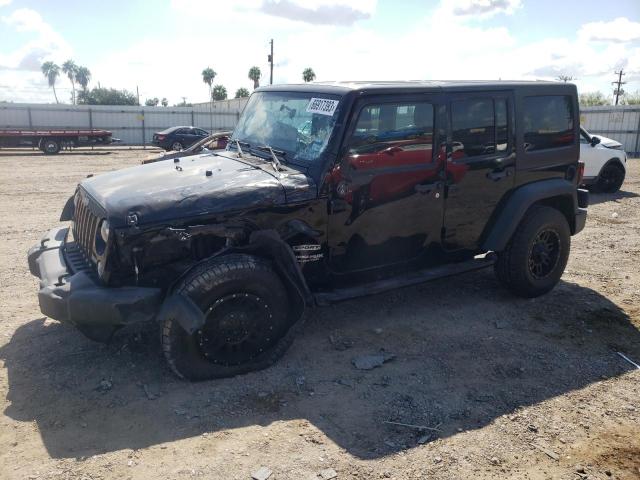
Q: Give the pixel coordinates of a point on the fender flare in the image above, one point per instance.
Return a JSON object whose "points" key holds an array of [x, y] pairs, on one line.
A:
{"points": [[263, 243], [516, 205]]}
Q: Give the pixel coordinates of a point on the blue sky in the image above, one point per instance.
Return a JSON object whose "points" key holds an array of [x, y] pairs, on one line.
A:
{"points": [[162, 47]]}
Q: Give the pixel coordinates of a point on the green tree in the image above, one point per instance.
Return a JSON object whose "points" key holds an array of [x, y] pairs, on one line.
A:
{"points": [[83, 76], [255, 74], [207, 77], [51, 71], [164, 102], [107, 96], [308, 75], [219, 92], [631, 98], [565, 78], [242, 92], [152, 102], [71, 69], [591, 99]]}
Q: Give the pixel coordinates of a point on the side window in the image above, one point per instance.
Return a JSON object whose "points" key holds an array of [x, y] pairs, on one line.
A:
{"points": [[474, 127], [182, 131], [548, 122], [201, 132], [392, 134]]}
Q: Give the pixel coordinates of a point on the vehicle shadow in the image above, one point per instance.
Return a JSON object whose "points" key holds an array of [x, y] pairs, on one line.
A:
{"points": [[596, 198], [466, 352]]}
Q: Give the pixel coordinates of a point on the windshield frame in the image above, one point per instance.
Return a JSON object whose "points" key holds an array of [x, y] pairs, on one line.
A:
{"points": [[330, 146]]}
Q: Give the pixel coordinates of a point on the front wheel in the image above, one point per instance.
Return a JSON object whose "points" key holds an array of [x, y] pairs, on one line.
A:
{"points": [[247, 324], [50, 147], [610, 179], [537, 254]]}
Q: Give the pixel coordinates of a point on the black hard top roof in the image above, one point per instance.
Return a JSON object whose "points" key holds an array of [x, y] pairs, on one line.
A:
{"points": [[343, 87]]}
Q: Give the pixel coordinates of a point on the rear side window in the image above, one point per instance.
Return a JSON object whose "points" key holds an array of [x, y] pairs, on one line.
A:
{"points": [[548, 122], [393, 134], [480, 127]]}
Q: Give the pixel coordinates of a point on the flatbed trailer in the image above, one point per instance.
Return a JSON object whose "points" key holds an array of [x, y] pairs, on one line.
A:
{"points": [[53, 140]]}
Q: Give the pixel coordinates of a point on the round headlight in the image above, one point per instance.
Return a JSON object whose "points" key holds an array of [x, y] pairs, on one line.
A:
{"points": [[104, 230]]}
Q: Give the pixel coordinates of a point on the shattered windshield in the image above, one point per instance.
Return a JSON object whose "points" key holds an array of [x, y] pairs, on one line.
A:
{"points": [[298, 124]]}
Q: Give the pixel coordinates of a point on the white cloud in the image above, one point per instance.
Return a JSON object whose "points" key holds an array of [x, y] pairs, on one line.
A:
{"points": [[620, 30], [20, 76], [480, 8], [162, 67], [4, 3], [319, 13]]}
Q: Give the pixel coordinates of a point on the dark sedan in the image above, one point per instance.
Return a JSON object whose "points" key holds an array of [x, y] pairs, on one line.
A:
{"points": [[178, 138]]}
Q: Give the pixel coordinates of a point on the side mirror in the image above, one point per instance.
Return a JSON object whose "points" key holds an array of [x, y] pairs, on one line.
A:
{"points": [[595, 141]]}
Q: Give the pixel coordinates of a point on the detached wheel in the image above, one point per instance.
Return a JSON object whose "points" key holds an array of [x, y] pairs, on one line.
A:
{"points": [[50, 147], [176, 146], [246, 320], [537, 254], [610, 179]]}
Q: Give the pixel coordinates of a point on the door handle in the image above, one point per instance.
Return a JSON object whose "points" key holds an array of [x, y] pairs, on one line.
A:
{"points": [[498, 174], [428, 188], [338, 205]]}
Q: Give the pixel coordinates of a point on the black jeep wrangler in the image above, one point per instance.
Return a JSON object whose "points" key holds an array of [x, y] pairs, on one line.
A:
{"points": [[324, 192]]}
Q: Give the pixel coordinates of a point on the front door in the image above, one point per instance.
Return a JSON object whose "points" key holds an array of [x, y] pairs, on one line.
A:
{"points": [[386, 194], [480, 165]]}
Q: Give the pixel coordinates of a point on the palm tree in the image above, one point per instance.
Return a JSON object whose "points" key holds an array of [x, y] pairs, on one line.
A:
{"points": [[242, 92], [207, 77], [70, 68], [51, 71], [83, 76], [219, 92], [308, 75], [254, 74], [208, 74], [164, 102]]}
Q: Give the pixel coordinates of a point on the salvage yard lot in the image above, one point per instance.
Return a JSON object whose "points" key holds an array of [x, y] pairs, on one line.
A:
{"points": [[510, 388]]}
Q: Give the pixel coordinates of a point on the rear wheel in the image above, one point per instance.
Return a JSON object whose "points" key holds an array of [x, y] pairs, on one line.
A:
{"points": [[246, 320], [50, 147], [610, 179], [537, 254], [176, 146]]}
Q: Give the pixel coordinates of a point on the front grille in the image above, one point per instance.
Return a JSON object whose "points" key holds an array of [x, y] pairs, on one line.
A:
{"points": [[85, 226]]}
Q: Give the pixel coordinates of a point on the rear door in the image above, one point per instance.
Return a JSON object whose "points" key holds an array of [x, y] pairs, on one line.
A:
{"points": [[480, 166], [387, 189]]}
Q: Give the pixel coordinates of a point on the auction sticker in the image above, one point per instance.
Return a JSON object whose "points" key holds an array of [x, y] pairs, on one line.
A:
{"points": [[323, 106]]}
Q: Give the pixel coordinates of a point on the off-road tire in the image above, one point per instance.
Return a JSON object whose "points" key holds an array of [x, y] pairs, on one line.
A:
{"points": [[513, 265], [50, 147], [610, 179], [220, 278]]}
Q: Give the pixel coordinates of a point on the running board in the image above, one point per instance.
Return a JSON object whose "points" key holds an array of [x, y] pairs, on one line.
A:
{"points": [[412, 278]]}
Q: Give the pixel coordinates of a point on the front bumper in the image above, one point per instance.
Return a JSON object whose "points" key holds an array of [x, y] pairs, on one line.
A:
{"points": [[75, 296]]}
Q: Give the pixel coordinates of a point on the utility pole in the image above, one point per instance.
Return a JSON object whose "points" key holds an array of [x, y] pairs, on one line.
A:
{"points": [[618, 90], [270, 58], [138, 94]]}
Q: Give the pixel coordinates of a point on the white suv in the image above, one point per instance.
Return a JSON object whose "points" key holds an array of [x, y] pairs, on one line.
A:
{"points": [[605, 162]]}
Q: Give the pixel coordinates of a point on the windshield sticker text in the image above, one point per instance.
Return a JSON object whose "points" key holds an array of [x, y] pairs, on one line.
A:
{"points": [[323, 106]]}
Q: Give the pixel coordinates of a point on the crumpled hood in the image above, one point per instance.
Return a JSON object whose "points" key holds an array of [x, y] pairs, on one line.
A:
{"points": [[165, 190]]}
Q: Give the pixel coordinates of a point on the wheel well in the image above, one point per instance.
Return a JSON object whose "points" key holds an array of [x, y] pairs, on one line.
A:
{"points": [[564, 204], [612, 161]]}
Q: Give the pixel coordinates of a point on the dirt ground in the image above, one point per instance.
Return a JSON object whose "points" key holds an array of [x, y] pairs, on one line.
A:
{"points": [[510, 388]]}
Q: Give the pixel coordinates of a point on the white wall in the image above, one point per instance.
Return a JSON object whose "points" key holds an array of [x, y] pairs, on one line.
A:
{"points": [[126, 122]]}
